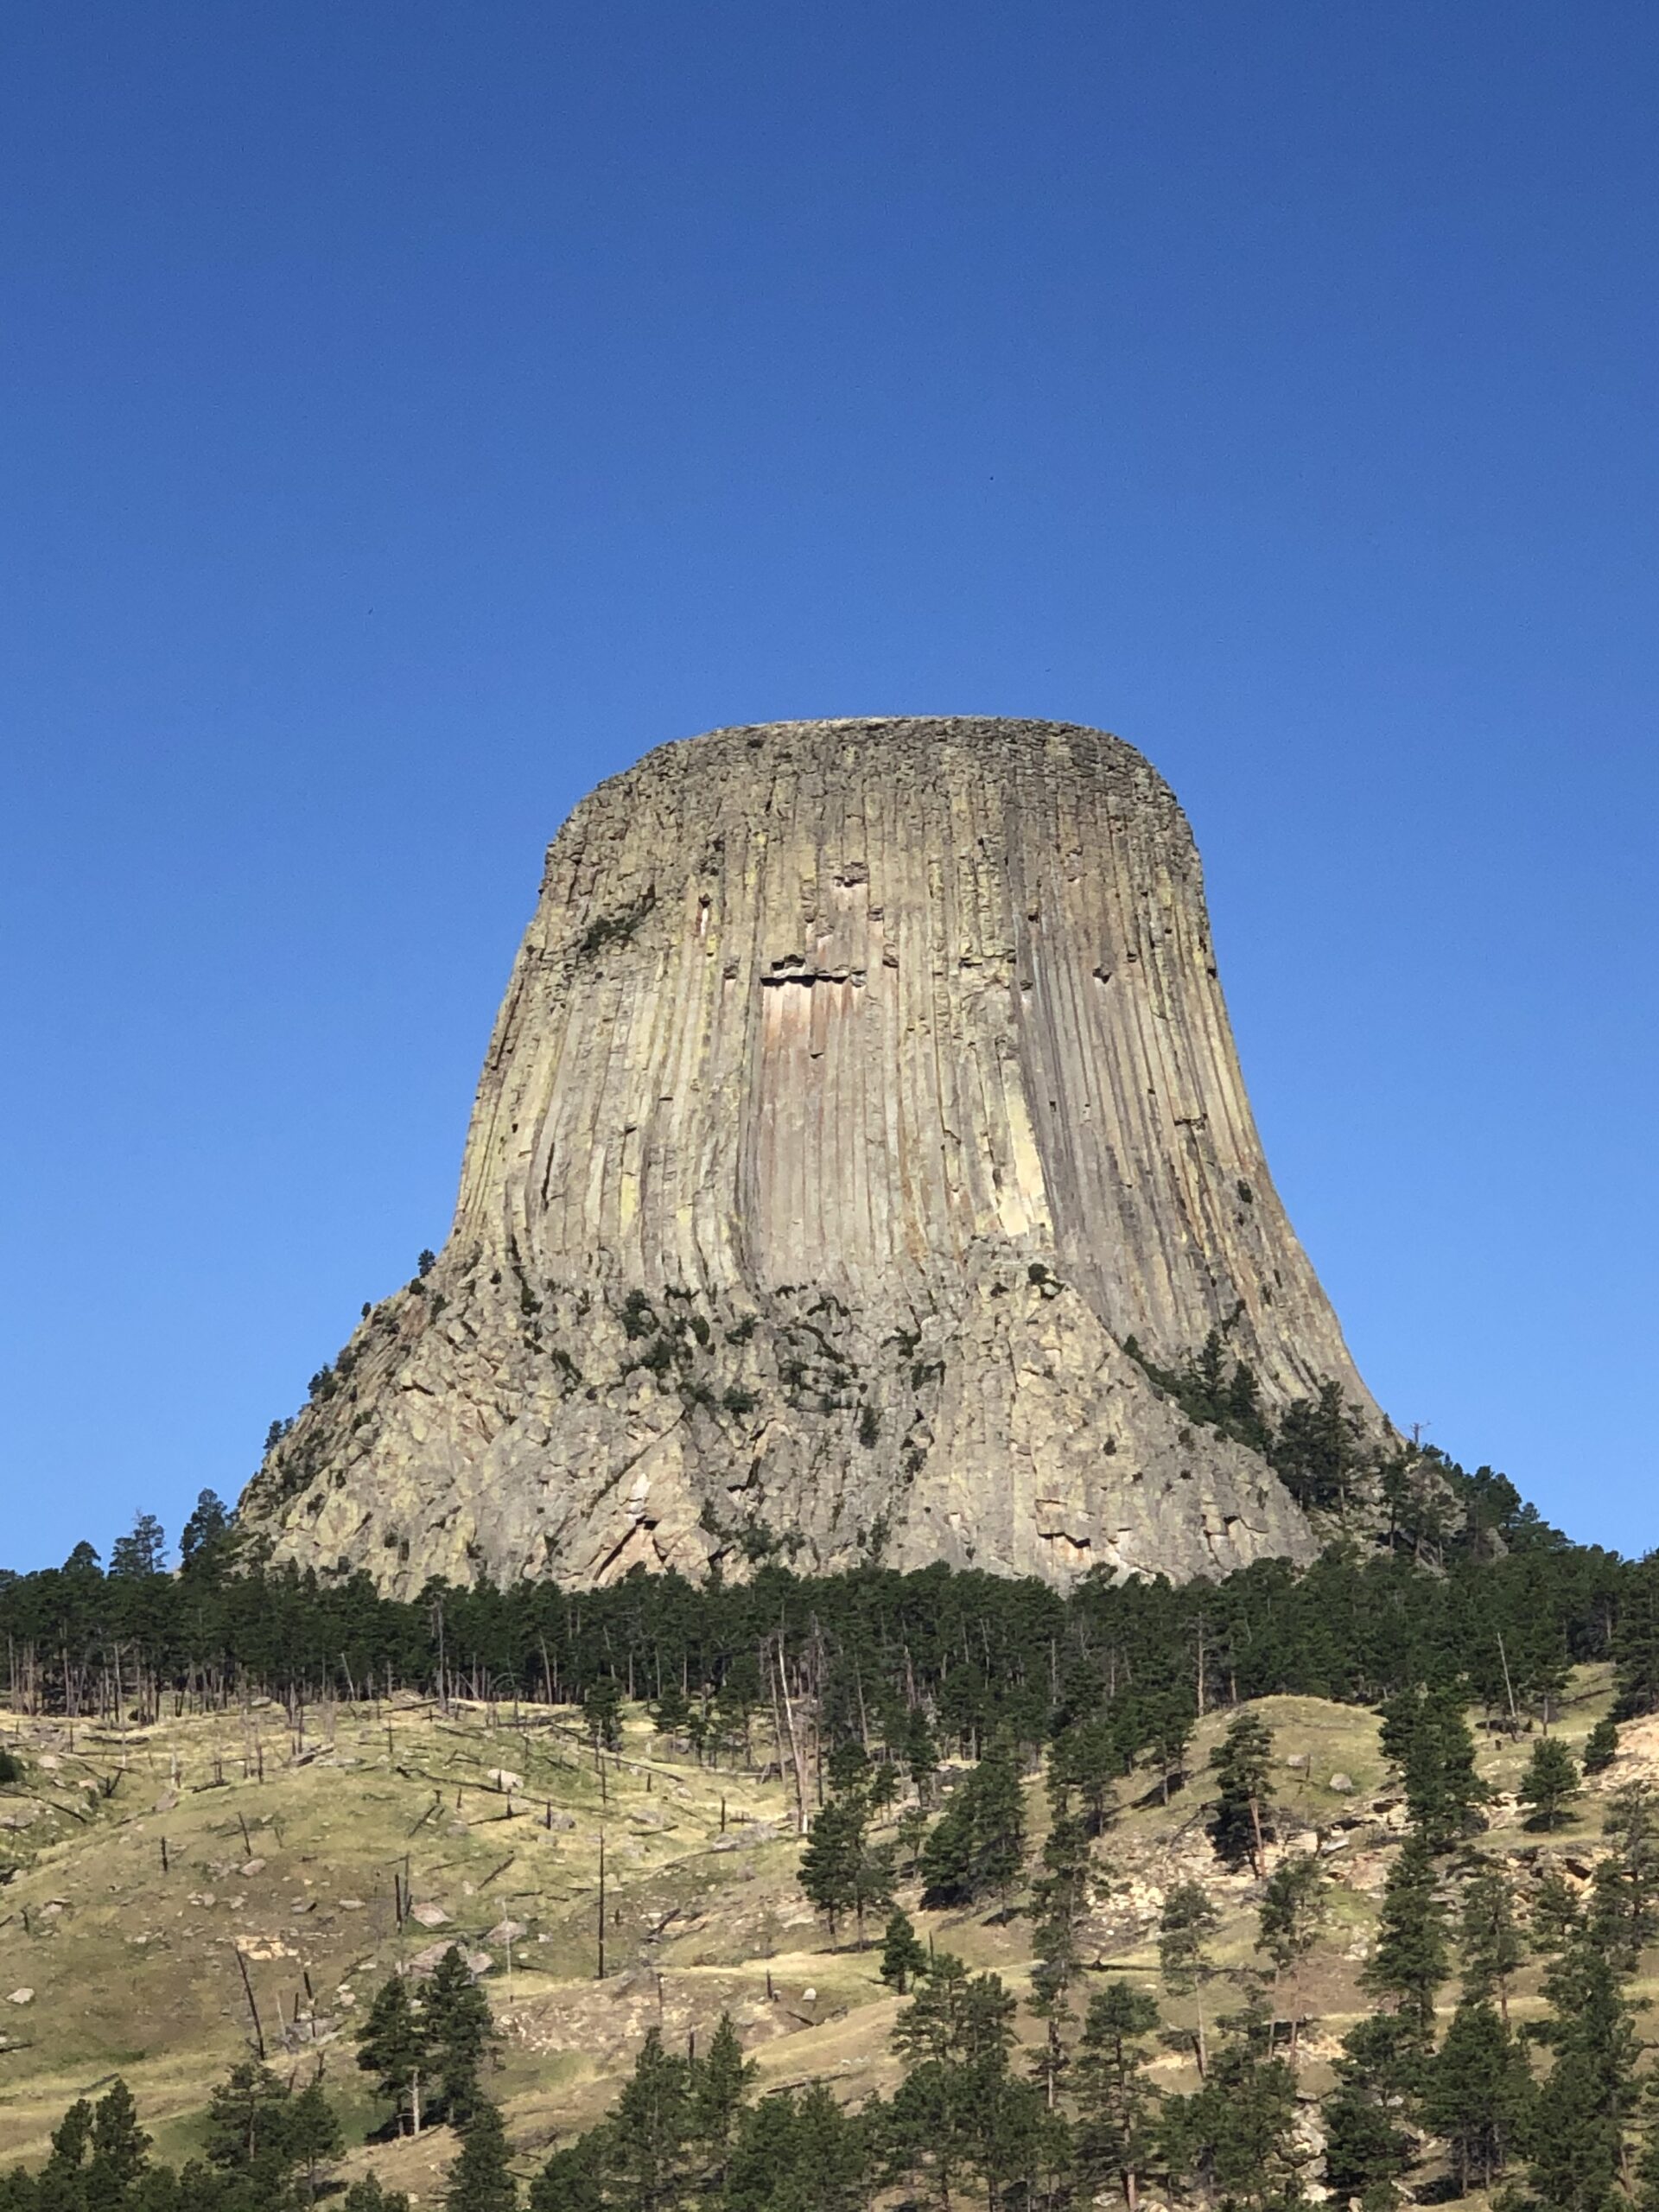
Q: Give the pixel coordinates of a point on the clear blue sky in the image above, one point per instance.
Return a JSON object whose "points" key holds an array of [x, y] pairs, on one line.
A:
{"points": [[410, 413]]}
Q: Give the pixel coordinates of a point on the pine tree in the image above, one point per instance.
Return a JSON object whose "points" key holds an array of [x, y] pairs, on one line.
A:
{"points": [[1576, 2136], [1550, 1782], [902, 1956], [1477, 2093], [1117, 2104], [1239, 2136], [648, 2129], [832, 1857], [1367, 2112], [1409, 1959], [367, 2196], [1555, 1917], [1625, 1898], [480, 2179], [1290, 1917], [458, 2033], [314, 2135], [998, 1817], [921, 1754], [1601, 1745], [1489, 1939], [392, 2047], [1426, 1737], [1059, 1900], [248, 2126], [1189, 1919], [1243, 1821], [119, 2150], [720, 2081]]}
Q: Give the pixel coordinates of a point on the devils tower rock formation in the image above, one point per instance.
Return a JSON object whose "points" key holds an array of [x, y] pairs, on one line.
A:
{"points": [[861, 1089]]}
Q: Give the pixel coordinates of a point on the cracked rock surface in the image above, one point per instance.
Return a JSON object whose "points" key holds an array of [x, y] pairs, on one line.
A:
{"points": [[860, 1089]]}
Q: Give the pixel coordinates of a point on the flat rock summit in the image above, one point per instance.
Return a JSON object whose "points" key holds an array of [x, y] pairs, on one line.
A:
{"points": [[862, 1089]]}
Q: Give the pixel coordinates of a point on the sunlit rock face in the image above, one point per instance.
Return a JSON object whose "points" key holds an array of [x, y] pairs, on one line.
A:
{"points": [[861, 1089]]}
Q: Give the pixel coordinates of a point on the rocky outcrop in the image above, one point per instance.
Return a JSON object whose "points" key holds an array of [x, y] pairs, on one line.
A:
{"points": [[861, 1090]]}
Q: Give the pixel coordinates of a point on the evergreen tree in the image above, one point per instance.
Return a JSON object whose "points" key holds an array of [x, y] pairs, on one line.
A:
{"points": [[1369, 2111], [119, 2150], [1409, 1959], [794, 2153], [367, 2196], [921, 1754], [1060, 1901], [142, 1552], [314, 2135], [720, 2081], [1477, 2093], [1489, 1938], [947, 1856], [1290, 1917], [648, 2129], [480, 2179], [1555, 1917], [391, 2046], [248, 2126], [1186, 1925], [1243, 1821], [1117, 2104], [574, 2180], [458, 2033], [1426, 1737], [1087, 1758], [1625, 1898], [1237, 2138], [998, 1817], [1601, 1745], [1576, 2135], [831, 1858], [1550, 1782], [902, 1954]]}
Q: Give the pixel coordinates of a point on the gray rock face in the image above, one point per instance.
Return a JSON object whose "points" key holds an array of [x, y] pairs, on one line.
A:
{"points": [[860, 1088]]}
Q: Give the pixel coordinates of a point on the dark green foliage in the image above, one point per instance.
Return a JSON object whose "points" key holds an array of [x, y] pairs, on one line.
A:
{"points": [[1477, 2093], [1186, 1925], [1242, 1821], [1550, 1782], [1367, 2115], [1291, 1914], [1117, 2103], [1410, 1960], [1575, 2138], [1237, 2139], [480, 2180], [1489, 1939], [1601, 1745], [11, 1768], [391, 2046], [1427, 1740], [426, 2052], [840, 1870], [977, 1848], [458, 2033], [1556, 1915], [142, 1552], [903, 1956], [1624, 1900], [797, 2151]]}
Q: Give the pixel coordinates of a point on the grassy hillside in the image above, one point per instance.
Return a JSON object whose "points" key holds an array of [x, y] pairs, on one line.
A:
{"points": [[144, 1863]]}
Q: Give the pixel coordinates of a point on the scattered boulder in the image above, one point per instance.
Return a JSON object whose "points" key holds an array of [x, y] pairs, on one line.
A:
{"points": [[21, 1997], [1342, 1783], [430, 1916]]}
